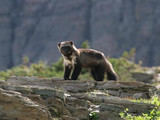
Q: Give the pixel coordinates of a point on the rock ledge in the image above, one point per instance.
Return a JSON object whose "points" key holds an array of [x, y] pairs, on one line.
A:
{"points": [[33, 98]]}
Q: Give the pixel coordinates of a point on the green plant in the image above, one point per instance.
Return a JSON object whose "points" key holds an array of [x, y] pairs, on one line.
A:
{"points": [[40, 69], [25, 60], [129, 55], [93, 116], [153, 114], [85, 44]]}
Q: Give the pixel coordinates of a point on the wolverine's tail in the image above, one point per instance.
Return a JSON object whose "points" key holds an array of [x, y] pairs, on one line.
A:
{"points": [[111, 74]]}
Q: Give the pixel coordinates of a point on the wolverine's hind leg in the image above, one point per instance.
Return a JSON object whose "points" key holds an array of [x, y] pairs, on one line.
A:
{"points": [[98, 73]]}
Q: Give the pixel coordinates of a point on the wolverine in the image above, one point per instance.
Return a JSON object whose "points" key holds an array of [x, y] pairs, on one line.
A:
{"points": [[75, 59]]}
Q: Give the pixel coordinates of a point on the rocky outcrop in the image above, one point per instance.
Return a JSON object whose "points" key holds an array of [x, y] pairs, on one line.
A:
{"points": [[33, 98], [33, 28], [143, 77], [14, 106], [119, 89], [146, 74]]}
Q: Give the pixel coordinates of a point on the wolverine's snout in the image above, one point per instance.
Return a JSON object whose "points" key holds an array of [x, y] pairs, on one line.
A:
{"points": [[66, 50]]}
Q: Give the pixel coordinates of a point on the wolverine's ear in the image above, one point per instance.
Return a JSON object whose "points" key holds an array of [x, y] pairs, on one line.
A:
{"points": [[71, 42], [59, 44]]}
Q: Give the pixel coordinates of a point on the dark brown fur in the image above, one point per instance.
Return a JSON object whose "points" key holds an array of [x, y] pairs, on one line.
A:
{"points": [[77, 58]]}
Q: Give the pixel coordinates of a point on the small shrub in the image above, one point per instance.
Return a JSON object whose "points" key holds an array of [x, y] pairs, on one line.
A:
{"points": [[130, 55], [40, 69], [123, 68], [85, 44]]}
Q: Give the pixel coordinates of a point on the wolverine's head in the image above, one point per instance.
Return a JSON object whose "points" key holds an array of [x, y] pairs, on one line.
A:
{"points": [[66, 47]]}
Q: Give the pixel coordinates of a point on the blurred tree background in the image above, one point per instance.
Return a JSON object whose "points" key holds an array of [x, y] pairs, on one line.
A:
{"points": [[127, 32], [33, 28]]}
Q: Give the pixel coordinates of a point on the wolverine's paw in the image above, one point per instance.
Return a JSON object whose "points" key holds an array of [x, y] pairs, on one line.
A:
{"points": [[67, 79]]}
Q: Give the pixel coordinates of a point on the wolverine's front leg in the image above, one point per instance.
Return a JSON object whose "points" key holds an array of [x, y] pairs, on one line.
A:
{"points": [[76, 71], [67, 71]]}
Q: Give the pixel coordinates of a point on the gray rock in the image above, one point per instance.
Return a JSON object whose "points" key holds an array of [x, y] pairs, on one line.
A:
{"points": [[116, 101], [64, 85], [140, 96], [23, 89], [48, 92], [69, 118], [73, 101], [158, 93], [15, 106], [45, 99], [125, 89], [107, 115], [143, 77], [79, 112], [111, 107], [120, 89]]}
